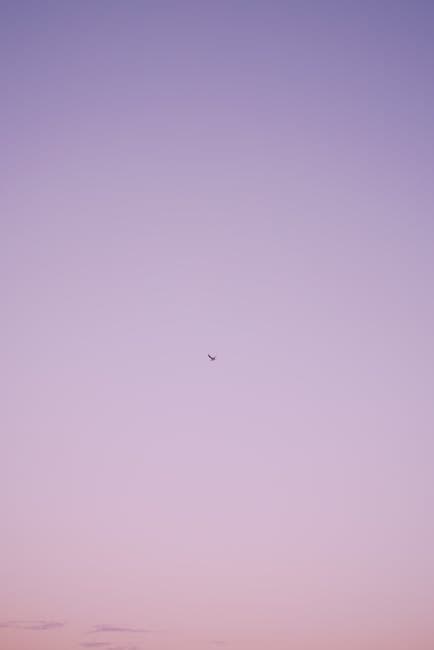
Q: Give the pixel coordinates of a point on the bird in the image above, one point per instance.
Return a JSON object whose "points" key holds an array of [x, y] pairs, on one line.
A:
{"points": [[211, 358]]}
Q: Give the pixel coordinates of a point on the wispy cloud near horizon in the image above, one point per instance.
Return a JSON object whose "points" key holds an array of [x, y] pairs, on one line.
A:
{"points": [[116, 628], [108, 644], [36, 626]]}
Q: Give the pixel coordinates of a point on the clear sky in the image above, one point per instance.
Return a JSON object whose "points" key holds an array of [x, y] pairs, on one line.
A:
{"points": [[252, 180]]}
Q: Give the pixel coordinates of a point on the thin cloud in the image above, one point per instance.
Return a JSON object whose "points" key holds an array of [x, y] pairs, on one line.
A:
{"points": [[107, 644], [35, 626], [115, 628]]}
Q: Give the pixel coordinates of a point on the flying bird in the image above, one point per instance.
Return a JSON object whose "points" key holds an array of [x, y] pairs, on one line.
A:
{"points": [[212, 358]]}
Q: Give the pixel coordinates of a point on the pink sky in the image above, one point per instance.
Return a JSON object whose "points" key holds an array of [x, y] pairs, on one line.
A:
{"points": [[253, 180]]}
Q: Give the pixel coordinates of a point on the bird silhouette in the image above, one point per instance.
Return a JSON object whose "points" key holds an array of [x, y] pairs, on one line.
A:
{"points": [[212, 358]]}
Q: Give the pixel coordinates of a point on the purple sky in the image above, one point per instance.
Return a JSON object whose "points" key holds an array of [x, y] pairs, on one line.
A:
{"points": [[254, 180]]}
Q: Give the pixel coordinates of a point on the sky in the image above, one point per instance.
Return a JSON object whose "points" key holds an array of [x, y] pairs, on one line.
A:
{"points": [[252, 180]]}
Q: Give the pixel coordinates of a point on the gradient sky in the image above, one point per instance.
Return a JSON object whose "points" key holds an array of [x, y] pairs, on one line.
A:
{"points": [[254, 180]]}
